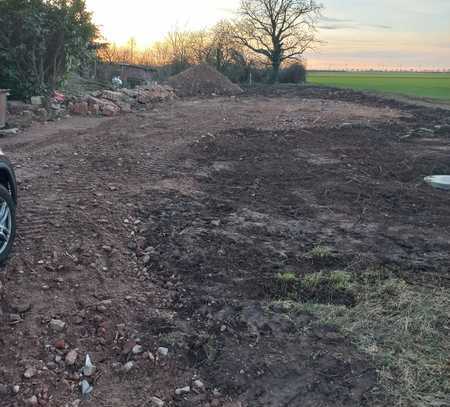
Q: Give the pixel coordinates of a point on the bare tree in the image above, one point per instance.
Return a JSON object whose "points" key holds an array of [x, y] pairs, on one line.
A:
{"points": [[224, 43], [107, 53], [279, 30], [200, 45], [180, 48]]}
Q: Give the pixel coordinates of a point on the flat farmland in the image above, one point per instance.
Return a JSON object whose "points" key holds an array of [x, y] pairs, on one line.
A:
{"points": [[420, 85]]}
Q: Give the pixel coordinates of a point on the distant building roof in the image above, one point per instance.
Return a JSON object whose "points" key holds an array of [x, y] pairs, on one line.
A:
{"points": [[144, 67]]}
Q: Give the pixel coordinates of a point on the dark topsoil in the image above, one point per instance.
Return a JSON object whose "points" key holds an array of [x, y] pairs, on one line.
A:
{"points": [[168, 229]]}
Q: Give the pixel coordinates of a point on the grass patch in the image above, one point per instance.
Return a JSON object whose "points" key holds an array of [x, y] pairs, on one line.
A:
{"points": [[337, 280], [285, 286], [423, 85], [404, 328], [333, 287], [324, 287], [323, 257], [287, 277], [320, 253]]}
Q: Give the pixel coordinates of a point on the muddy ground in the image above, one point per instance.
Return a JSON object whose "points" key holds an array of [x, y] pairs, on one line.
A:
{"points": [[168, 229]]}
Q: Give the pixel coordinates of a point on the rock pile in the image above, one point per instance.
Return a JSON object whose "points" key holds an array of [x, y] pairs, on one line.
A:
{"points": [[111, 103], [22, 114], [98, 103], [203, 80]]}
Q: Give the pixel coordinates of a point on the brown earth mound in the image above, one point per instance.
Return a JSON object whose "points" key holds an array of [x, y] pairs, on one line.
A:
{"points": [[203, 80]]}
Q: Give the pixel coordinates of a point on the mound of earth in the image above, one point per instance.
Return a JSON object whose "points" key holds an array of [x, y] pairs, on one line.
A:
{"points": [[203, 80]]}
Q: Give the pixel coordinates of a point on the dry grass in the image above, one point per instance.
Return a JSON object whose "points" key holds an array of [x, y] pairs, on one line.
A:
{"points": [[405, 328]]}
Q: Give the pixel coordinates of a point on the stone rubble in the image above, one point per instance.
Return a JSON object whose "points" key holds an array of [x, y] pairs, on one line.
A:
{"points": [[111, 103], [106, 103]]}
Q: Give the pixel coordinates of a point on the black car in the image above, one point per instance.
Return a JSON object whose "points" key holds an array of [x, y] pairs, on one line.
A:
{"points": [[8, 202]]}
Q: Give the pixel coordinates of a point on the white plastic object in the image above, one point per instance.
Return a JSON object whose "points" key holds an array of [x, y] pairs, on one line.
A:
{"points": [[439, 181]]}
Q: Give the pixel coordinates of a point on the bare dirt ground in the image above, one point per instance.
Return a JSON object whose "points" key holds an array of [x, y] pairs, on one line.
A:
{"points": [[171, 228]]}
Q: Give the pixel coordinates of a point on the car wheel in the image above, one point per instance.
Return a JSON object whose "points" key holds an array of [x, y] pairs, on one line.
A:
{"points": [[7, 223]]}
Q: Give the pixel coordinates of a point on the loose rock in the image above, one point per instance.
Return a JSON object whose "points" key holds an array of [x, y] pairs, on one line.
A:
{"points": [[71, 357], [127, 367], [137, 349], [57, 325], [163, 351], [183, 390], [199, 385], [32, 401], [30, 372], [156, 402]]}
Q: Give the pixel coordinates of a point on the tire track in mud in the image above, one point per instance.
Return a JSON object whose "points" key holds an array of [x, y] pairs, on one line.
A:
{"points": [[139, 181]]}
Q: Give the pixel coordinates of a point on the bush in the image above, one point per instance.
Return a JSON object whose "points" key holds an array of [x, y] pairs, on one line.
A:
{"points": [[295, 73], [41, 41]]}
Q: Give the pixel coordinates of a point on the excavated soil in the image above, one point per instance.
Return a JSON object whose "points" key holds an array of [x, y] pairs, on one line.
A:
{"points": [[203, 80], [166, 229]]}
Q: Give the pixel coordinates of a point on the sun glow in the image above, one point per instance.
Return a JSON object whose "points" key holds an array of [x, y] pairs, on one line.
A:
{"points": [[352, 38]]}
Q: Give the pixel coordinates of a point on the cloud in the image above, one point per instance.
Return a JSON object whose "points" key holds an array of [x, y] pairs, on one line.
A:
{"points": [[345, 24], [336, 27], [335, 20], [382, 26]]}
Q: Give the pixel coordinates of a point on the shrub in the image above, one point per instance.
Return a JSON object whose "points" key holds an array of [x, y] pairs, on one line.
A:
{"points": [[41, 41], [295, 73]]}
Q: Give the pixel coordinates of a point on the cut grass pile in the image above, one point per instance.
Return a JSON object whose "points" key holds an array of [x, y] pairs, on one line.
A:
{"points": [[404, 328], [422, 85]]}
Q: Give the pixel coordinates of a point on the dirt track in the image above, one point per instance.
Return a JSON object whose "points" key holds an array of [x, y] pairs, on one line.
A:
{"points": [[166, 228]]}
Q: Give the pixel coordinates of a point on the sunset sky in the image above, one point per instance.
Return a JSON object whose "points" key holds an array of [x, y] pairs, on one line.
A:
{"points": [[356, 33]]}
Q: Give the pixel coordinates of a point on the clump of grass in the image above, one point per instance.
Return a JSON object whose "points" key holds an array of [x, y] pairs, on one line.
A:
{"points": [[320, 253], [324, 287], [405, 328], [286, 285], [323, 256], [287, 277], [339, 280], [333, 287]]}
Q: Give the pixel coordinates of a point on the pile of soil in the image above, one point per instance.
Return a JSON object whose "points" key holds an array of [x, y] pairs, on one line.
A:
{"points": [[202, 80]]}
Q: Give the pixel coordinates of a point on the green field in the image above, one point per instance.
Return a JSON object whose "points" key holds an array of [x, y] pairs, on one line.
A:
{"points": [[422, 85]]}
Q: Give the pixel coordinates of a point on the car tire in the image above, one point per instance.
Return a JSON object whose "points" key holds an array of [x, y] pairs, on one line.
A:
{"points": [[7, 204]]}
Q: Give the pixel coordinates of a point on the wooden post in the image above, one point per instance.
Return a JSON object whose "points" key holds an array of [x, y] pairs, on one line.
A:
{"points": [[3, 107]]}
